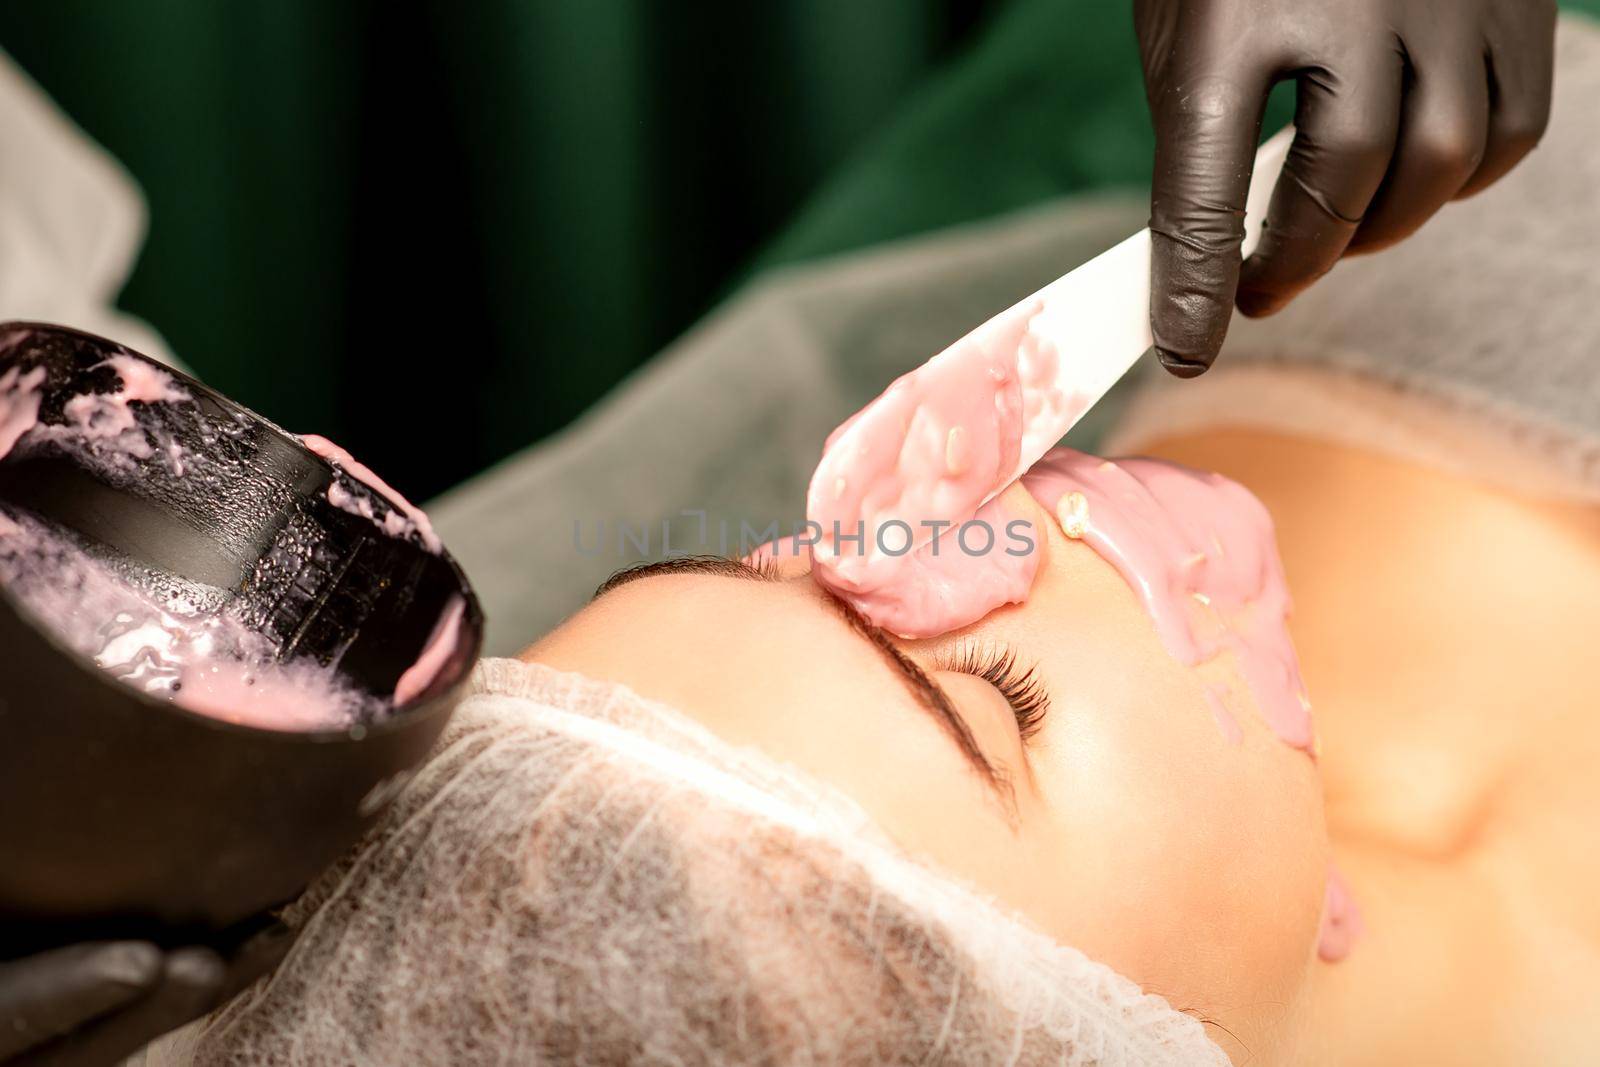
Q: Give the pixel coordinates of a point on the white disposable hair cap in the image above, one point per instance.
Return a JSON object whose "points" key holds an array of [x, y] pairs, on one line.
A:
{"points": [[582, 876]]}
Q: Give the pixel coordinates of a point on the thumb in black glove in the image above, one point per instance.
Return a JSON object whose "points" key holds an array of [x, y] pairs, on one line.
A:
{"points": [[1402, 106], [95, 1004]]}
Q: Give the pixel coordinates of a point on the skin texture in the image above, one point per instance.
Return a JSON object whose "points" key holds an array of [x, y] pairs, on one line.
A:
{"points": [[1402, 106], [1129, 827]]}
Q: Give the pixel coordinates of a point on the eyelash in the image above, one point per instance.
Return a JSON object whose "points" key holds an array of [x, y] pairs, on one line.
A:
{"points": [[1020, 686], [766, 569]]}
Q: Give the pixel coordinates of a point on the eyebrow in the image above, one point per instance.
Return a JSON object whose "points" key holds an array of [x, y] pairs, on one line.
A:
{"points": [[730, 568], [929, 695]]}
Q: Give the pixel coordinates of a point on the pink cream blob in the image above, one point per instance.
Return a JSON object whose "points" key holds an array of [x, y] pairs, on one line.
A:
{"points": [[406, 518], [146, 383], [435, 654], [960, 575], [1341, 920], [276, 697], [19, 405], [165, 646], [927, 454], [99, 423], [946, 437]]}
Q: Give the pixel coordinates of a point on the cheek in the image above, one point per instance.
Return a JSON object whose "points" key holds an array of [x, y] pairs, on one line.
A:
{"points": [[1192, 864]]}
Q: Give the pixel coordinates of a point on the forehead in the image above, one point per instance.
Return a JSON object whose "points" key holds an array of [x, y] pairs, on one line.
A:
{"points": [[729, 634], [707, 601]]}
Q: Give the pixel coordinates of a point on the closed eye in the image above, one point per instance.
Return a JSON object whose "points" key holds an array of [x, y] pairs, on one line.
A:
{"points": [[997, 665], [928, 694]]}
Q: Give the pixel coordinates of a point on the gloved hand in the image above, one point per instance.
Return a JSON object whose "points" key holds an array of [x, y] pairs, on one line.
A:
{"points": [[94, 1005], [1402, 106]]}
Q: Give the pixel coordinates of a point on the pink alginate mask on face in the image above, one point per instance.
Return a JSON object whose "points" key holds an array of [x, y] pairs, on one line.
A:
{"points": [[1341, 920], [1199, 551], [1196, 548], [934, 452]]}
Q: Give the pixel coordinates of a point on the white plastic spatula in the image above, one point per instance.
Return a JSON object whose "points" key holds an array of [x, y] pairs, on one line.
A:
{"points": [[944, 439], [1100, 312]]}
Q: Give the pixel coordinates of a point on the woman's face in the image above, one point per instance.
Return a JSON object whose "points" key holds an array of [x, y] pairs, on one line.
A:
{"points": [[1123, 820]]}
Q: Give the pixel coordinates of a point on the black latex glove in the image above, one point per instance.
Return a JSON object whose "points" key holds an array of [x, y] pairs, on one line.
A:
{"points": [[94, 1005], [1402, 106]]}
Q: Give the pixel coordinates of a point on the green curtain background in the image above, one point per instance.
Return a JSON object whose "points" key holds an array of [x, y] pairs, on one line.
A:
{"points": [[437, 232]]}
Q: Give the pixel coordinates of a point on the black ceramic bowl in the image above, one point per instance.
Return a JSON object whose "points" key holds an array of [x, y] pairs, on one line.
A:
{"points": [[123, 813]]}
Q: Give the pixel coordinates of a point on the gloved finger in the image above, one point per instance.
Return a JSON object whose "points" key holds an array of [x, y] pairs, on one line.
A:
{"points": [[1346, 120], [1444, 125], [1521, 69], [1207, 124], [190, 984], [45, 996]]}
